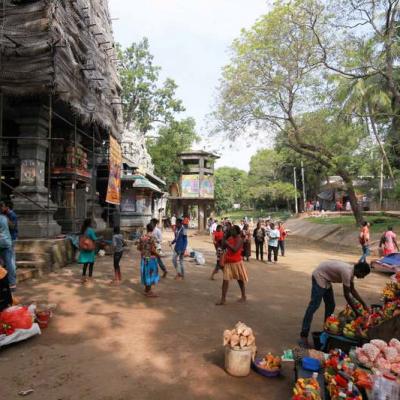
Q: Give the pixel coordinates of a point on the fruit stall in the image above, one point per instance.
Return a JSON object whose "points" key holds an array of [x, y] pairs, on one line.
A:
{"points": [[357, 357]]}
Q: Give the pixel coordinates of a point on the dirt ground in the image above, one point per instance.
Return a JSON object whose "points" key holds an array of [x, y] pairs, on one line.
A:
{"points": [[107, 343]]}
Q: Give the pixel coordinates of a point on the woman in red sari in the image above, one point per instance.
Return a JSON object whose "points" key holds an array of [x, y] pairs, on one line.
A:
{"points": [[234, 268]]}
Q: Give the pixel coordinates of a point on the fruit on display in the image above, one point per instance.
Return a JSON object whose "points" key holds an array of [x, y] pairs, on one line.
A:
{"points": [[391, 291], [350, 330], [306, 389], [380, 355], [240, 337], [270, 363], [362, 379], [332, 325]]}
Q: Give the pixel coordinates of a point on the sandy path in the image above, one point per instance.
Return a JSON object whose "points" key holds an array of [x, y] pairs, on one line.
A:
{"points": [[108, 343]]}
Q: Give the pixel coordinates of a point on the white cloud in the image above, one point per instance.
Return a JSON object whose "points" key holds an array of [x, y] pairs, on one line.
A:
{"points": [[190, 41]]}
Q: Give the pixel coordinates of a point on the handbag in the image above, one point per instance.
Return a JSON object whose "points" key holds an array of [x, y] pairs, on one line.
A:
{"points": [[86, 244]]}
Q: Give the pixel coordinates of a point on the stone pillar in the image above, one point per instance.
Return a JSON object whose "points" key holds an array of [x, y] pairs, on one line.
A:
{"points": [[35, 220], [201, 216]]}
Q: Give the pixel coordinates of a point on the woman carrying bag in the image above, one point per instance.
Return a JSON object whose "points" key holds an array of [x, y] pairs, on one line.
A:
{"points": [[87, 249]]}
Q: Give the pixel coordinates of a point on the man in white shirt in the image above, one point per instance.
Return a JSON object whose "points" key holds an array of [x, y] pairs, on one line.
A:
{"points": [[157, 234], [328, 272], [273, 238]]}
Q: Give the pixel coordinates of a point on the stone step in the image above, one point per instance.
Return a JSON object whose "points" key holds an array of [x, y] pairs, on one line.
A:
{"points": [[29, 256], [26, 274], [37, 265]]}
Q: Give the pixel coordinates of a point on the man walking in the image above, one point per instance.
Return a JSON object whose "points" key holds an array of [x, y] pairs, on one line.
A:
{"points": [[328, 272], [259, 239], [180, 242], [273, 235], [157, 235], [173, 222], [364, 241]]}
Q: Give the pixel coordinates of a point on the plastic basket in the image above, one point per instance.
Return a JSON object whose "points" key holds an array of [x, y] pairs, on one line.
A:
{"points": [[263, 371]]}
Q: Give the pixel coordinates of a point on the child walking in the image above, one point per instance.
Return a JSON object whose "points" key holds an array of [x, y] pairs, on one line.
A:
{"points": [[118, 243]]}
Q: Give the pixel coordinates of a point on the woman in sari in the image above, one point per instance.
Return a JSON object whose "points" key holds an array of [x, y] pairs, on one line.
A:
{"points": [[148, 264]]}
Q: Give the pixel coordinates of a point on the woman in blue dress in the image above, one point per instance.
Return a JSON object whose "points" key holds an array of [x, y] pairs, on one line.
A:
{"points": [[87, 257], [148, 264]]}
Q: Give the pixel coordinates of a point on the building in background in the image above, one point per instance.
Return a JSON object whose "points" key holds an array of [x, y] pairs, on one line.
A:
{"points": [[143, 196], [193, 196], [59, 104]]}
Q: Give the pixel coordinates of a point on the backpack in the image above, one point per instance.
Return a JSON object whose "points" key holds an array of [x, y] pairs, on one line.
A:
{"points": [[86, 244]]}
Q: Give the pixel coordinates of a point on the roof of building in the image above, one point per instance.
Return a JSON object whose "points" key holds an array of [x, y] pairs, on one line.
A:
{"points": [[140, 182], [199, 153], [65, 48]]}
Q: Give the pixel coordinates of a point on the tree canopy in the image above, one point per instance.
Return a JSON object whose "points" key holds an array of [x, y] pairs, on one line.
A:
{"points": [[307, 75]]}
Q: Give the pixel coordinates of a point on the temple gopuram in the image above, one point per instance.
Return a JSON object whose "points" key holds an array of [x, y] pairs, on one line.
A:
{"points": [[59, 104]]}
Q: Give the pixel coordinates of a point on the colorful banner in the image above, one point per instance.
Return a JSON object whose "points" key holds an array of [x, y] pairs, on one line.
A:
{"points": [[114, 180], [190, 186], [207, 187]]}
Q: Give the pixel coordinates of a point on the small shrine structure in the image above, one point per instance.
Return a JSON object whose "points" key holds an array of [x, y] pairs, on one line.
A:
{"points": [[195, 188]]}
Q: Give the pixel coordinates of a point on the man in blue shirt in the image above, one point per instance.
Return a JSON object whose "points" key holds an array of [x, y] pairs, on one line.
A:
{"points": [[180, 242], [12, 220]]}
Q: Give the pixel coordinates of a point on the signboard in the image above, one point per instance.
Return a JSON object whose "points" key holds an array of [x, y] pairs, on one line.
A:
{"points": [[207, 187], [114, 180], [190, 186]]}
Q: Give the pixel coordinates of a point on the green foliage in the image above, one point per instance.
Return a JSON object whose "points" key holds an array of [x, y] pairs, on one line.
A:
{"points": [[146, 101], [176, 137], [231, 188]]}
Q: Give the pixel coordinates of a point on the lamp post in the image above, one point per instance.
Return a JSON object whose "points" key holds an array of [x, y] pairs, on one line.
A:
{"points": [[304, 186], [295, 190]]}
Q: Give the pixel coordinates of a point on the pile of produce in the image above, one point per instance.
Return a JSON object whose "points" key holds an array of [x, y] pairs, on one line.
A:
{"points": [[380, 355], [391, 291], [332, 325], [343, 380], [13, 318], [270, 363], [306, 389], [240, 337]]}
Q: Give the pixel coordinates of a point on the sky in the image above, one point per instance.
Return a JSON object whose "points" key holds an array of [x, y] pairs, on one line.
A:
{"points": [[190, 40]]}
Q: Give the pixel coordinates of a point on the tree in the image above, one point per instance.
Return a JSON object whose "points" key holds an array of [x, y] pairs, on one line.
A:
{"points": [[230, 188], [275, 81], [176, 137], [145, 100]]}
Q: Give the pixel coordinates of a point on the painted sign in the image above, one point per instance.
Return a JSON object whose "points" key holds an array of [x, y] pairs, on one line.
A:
{"points": [[114, 180], [190, 186], [207, 187]]}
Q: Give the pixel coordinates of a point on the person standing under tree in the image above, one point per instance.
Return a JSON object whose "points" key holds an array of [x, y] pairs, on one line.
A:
{"points": [[148, 264], [282, 238], [180, 242], [328, 272], [87, 247], [234, 268], [259, 240], [273, 236]]}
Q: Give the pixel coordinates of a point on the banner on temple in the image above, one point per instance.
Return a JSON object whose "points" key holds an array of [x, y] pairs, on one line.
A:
{"points": [[114, 180]]}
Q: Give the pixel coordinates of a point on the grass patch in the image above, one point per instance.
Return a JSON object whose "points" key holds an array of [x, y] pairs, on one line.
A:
{"points": [[238, 215], [379, 223]]}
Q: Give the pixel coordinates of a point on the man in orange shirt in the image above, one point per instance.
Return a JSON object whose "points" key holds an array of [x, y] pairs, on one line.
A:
{"points": [[364, 241], [186, 221]]}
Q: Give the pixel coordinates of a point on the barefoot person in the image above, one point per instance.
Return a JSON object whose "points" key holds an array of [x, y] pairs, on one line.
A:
{"points": [[148, 264], [118, 243], [234, 267], [180, 242], [328, 272], [87, 247]]}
